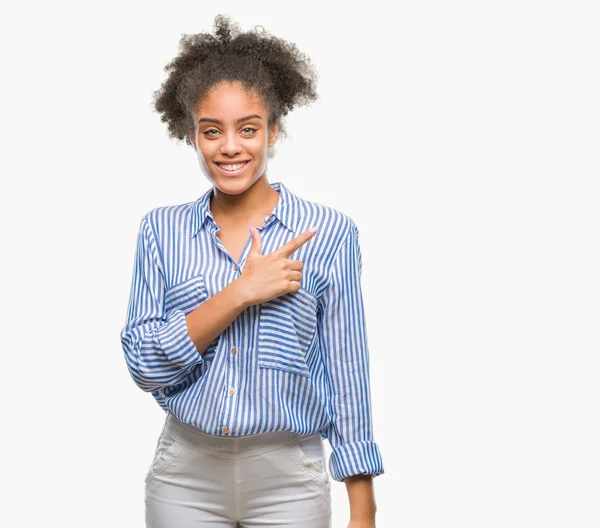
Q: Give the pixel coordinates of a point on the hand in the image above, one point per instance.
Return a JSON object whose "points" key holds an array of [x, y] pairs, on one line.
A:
{"points": [[364, 523], [268, 276]]}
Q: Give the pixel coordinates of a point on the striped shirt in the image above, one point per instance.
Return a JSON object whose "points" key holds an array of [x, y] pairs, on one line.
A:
{"points": [[298, 362]]}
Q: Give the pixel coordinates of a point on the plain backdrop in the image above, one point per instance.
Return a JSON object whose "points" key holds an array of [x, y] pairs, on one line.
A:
{"points": [[461, 137]]}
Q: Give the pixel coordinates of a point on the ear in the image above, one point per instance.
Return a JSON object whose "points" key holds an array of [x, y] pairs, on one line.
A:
{"points": [[273, 134]]}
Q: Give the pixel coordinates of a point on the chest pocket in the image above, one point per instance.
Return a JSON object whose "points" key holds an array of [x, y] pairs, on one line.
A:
{"points": [[286, 329], [187, 296]]}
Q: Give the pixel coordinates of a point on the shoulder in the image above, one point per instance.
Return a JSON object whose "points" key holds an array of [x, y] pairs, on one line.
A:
{"points": [[168, 218], [336, 229], [333, 224]]}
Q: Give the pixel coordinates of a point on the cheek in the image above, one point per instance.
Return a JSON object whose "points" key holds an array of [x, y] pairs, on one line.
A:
{"points": [[258, 145], [207, 147]]}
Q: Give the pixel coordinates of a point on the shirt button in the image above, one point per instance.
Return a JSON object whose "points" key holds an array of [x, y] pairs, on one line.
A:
{"points": [[234, 350], [225, 429], [235, 268], [232, 390], [270, 218]]}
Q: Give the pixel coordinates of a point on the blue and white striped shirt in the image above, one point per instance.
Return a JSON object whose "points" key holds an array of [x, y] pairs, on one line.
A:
{"points": [[298, 362]]}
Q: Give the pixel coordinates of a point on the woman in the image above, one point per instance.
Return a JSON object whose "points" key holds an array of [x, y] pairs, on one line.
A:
{"points": [[254, 343]]}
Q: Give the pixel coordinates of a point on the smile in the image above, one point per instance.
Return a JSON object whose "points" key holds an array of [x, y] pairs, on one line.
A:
{"points": [[232, 169]]}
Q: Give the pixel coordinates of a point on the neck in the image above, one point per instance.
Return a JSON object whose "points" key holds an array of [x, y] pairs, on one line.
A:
{"points": [[259, 199]]}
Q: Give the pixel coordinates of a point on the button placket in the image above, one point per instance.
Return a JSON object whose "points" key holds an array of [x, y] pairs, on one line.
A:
{"points": [[231, 377]]}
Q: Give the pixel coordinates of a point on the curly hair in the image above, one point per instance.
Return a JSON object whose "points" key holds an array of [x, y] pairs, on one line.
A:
{"points": [[274, 68]]}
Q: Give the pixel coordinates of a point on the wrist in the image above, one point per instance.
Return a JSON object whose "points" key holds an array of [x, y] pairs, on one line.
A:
{"points": [[240, 293], [362, 522], [365, 515], [363, 512]]}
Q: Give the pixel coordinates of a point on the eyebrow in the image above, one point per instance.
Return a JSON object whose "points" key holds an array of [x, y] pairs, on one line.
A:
{"points": [[211, 120]]}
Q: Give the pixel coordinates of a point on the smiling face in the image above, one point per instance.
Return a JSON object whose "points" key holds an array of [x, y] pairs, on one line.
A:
{"points": [[232, 137]]}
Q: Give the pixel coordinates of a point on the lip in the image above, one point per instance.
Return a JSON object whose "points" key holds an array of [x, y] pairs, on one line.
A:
{"points": [[232, 173]]}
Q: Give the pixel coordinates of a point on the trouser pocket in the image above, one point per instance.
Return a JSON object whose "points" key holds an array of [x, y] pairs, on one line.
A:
{"points": [[164, 455], [309, 456]]}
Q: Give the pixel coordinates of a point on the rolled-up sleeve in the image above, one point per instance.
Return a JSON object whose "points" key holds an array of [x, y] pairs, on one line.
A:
{"points": [[158, 349], [343, 343]]}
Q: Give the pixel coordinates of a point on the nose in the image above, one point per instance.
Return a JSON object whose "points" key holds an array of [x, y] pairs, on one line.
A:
{"points": [[231, 145]]}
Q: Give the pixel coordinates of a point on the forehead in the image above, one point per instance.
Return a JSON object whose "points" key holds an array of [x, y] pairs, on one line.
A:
{"points": [[229, 101]]}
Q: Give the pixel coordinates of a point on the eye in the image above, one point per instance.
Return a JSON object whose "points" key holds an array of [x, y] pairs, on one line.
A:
{"points": [[208, 132], [250, 128]]}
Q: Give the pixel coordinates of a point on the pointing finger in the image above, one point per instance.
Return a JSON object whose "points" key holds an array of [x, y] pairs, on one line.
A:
{"points": [[291, 246]]}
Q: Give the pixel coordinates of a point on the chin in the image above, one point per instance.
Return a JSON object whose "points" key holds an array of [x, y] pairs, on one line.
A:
{"points": [[233, 185]]}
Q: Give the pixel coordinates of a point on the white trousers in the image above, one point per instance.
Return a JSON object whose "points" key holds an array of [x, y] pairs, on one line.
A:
{"points": [[271, 479]]}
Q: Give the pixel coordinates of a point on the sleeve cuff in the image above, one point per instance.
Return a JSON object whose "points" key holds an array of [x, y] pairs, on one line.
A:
{"points": [[176, 343], [355, 458]]}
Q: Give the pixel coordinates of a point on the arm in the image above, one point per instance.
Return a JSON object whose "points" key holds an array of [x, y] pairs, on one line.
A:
{"points": [[212, 317], [343, 340], [362, 501], [162, 347]]}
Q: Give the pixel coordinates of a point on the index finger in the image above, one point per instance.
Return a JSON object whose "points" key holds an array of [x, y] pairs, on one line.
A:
{"points": [[289, 247]]}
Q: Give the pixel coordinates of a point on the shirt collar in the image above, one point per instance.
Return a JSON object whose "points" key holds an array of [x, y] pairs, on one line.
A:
{"points": [[286, 210]]}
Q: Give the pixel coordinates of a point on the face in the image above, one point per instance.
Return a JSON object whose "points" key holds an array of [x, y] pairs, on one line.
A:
{"points": [[232, 137]]}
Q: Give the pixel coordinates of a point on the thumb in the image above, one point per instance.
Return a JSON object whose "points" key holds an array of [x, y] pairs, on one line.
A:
{"points": [[256, 244]]}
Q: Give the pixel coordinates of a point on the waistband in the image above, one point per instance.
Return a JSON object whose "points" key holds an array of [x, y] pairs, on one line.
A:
{"points": [[228, 446]]}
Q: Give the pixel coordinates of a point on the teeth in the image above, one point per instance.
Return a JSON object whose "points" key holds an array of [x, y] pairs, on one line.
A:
{"points": [[232, 167]]}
